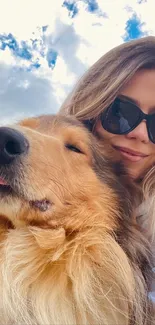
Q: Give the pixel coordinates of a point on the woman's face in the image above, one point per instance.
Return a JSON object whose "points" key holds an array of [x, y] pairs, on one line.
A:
{"points": [[135, 148]]}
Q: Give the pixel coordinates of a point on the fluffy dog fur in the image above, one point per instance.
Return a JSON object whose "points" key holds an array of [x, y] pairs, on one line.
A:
{"points": [[70, 250]]}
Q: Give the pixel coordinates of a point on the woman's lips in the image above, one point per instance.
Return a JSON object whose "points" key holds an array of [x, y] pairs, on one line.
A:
{"points": [[131, 155]]}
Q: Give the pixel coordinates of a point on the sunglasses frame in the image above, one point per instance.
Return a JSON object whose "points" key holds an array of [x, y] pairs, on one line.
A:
{"points": [[142, 117]]}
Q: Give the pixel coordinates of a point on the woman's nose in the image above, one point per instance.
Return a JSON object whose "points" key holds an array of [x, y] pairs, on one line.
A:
{"points": [[140, 133]]}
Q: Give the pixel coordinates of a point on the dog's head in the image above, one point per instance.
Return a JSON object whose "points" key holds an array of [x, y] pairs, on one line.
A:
{"points": [[64, 193], [49, 163]]}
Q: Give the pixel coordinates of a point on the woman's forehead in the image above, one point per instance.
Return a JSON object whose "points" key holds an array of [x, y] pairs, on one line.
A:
{"points": [[141, 90]]}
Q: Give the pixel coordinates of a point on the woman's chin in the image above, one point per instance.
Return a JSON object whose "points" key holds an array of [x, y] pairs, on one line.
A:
{"points": [[138, 171]]}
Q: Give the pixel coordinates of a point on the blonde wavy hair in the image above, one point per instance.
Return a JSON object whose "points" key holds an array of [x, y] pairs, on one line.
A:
{"points": [[101, 84]]}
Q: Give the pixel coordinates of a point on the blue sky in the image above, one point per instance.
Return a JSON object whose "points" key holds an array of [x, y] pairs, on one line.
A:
{"points": [[45, 47]]}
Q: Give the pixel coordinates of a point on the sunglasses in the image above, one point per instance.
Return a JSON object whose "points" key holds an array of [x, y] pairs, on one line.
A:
{"points": [[123, 116]]}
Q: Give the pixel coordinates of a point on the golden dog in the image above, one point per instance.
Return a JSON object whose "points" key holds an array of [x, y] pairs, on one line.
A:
{"points": [[70, 250]]}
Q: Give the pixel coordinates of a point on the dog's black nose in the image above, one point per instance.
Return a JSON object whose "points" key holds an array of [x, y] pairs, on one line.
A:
{"points": [[12, 144]]}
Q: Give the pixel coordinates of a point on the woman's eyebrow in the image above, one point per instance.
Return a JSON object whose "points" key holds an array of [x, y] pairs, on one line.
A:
{"points": [[136, 102]]}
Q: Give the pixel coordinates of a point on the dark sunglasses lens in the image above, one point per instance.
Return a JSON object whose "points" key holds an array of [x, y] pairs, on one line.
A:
{"points": [[151, 128], [120, 117]]}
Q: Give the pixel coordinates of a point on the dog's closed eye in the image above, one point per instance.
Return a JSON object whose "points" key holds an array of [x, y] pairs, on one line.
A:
{"points": [[73, 148]]}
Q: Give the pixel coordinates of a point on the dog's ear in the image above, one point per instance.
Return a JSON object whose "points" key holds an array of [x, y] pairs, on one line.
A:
{"points": [[105, 157], [110, 169], [88, 124], [108, 165]]}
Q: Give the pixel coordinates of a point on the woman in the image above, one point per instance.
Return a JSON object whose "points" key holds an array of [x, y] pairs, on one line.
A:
{"points": [[116, 100]]}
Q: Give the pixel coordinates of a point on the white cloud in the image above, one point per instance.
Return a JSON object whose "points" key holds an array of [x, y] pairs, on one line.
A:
{"points": [[6, 57], [24, 94], [23, 17], [79, 42], [145, 11]]}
